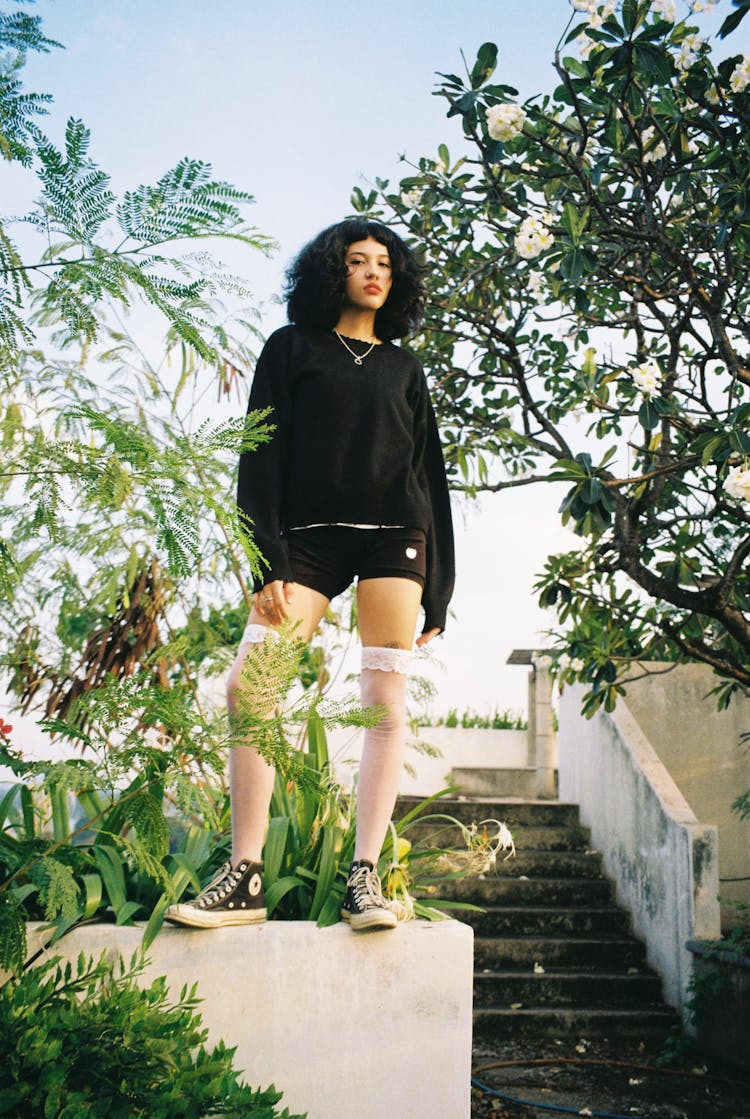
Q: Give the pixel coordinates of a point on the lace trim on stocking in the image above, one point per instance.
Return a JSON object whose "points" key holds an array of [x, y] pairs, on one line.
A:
{"points": [[255, 634], [387, 660]]}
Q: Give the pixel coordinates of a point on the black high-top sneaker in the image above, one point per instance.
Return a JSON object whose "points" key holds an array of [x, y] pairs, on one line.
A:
{"points": [[364, 905], [233, 897]]}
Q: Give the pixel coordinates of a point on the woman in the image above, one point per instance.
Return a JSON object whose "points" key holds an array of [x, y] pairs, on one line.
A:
{"points": [[352, 483]]}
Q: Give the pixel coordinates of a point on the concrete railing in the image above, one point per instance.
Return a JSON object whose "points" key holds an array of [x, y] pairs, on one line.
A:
{"points": [[663, 861], [371, 1025]]}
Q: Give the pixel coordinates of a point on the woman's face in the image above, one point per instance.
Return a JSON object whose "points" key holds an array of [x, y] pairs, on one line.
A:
{"points": [[368, 274]]}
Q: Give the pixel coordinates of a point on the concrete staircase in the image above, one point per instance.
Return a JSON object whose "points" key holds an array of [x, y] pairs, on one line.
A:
{"points": [[554, 956]]}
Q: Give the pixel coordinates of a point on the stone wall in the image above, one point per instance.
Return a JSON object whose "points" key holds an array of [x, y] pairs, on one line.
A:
{"points": [[701, 747], [663, 861], [368, 1025]]}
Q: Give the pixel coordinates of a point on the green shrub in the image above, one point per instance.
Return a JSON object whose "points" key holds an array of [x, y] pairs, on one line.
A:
{"points": [[494, 720], [86, 1042]]}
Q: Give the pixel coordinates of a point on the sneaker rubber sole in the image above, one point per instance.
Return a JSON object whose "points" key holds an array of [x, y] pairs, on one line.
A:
{"points": [[370, 919], [183, 914]]}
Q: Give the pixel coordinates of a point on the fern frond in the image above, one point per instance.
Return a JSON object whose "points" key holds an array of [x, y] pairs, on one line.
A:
{"points": [[268, 672], [11, 267], [12, 933], [22, 32], [196, 799], [76, 199], [58, 889], [72, 776], [145, 813], [184, 203], [17, 132], [145, 861]]}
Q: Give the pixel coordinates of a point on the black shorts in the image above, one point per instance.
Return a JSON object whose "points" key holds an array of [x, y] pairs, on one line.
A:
{"points": [[328, 558]]}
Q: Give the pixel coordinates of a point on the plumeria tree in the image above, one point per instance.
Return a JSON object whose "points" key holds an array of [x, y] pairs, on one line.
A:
{"points": [[588, 325]]}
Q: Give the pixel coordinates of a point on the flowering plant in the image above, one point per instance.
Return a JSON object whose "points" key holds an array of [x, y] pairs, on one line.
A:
{"points": [[614, 233]]}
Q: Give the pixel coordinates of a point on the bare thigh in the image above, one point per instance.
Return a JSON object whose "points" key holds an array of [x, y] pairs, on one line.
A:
{"points": [[387, 610]]}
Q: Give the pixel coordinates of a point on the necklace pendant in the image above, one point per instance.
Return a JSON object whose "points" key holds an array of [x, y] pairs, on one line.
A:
{"points": [[358, 361]]}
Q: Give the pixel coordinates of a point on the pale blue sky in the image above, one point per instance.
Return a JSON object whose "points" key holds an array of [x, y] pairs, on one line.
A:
{"points": [[298, 102]]}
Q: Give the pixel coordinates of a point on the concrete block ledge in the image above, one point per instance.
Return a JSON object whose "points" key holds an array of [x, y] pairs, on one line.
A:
{"points": [[371, 1025]]}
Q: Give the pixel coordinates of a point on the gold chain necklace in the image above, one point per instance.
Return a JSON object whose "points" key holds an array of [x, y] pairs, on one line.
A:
{"points": [[358, 358]]}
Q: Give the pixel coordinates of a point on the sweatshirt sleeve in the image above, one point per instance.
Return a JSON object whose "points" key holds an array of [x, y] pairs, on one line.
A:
{"points": [[262, 472], [440, 550]]}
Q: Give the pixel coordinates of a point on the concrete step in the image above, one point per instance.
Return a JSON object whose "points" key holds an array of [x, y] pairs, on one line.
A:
{"points": [[550, 864], [568, 921], [512, 812], [491, 889], [573, 1022], [566, 988], [611, 954], [439, 833], [548, 906], [486, 781]]}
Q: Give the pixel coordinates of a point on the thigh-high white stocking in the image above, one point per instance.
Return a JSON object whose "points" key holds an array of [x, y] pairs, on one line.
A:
{"points": [[250, 777], [383, 684]]}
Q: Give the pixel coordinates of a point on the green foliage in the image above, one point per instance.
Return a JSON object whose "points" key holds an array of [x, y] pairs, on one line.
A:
{"points": [[496, 720], [89, 1040], [79, 216], [589, 258]]}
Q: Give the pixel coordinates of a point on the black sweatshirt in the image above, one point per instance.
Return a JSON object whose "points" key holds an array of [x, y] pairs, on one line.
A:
{"points": [[354, 444]]}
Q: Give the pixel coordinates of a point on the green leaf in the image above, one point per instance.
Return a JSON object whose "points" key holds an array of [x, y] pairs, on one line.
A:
{"points": [[327, 867], [275, 846], [575, 66], [485, 65], [110, 865], [648, 415], [279, 889], [732, 22], [93, 894], [591, 491]]}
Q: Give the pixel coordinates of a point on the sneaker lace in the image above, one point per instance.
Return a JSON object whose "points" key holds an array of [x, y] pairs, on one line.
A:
{"points": [[367, 890], [220, 886]]}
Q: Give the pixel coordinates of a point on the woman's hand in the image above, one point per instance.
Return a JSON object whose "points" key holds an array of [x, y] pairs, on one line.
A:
{"points": [[425, 637], [273, 601]]}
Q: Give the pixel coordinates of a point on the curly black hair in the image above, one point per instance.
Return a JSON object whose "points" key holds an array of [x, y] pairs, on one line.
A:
{"points": [[316, 280]]}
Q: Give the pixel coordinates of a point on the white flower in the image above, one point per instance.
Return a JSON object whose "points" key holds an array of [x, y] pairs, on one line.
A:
{"points": [[737, 483], [688, 55], [505, 122], [577, 664], [535, 284], [584, 44], [740, 76], [533, 237], [411, 198], [501, 320], [541, 660], [712, 95], [667, 9], [596, 11], [703, 5], [647, 377], [652, 152]]}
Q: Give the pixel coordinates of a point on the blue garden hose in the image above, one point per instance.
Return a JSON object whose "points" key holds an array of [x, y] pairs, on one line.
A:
{"points": [[547, 1106]]}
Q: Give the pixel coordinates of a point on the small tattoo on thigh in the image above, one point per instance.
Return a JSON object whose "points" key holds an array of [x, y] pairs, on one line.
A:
{"points": [[393, 645]]}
